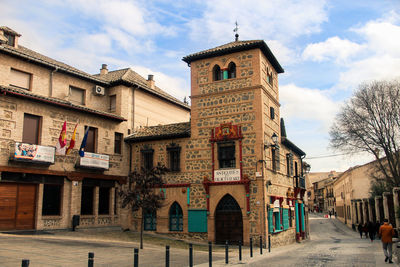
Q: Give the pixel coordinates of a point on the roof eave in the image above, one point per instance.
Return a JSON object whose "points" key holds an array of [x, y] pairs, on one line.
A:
{"points": [[64, 105], [292, 146], [156, 137]]}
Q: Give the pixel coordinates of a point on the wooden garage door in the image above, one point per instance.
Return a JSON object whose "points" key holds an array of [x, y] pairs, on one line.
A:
{"points": [[17, 206]]}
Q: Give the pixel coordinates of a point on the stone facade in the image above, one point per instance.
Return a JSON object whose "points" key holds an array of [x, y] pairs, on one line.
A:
{"points": [[48, 96], [237, 111]]}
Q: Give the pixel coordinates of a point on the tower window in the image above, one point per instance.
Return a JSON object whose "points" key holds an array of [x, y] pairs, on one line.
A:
{"points": [[217, 75], [231, 70], [226, 155]]}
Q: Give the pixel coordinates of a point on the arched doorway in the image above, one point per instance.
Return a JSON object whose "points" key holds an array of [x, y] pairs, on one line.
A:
{"points": [[228, 221]]}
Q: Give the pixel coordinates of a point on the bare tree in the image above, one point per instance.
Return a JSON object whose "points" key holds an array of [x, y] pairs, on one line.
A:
{"points": [[141, 194], [370, 121]]}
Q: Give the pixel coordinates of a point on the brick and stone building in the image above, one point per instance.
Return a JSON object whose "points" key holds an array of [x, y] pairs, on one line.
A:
{"points": [[42, 190], [234, 174]]}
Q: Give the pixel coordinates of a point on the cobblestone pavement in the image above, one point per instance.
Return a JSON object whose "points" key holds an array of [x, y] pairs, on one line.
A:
{"points": [[331, 244]]}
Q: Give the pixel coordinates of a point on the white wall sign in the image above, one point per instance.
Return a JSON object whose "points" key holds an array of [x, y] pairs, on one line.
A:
{"points": [[93, 160], [34, 153], [227, 175]]}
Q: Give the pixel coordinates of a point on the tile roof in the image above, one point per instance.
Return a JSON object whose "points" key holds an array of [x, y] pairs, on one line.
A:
{"points": [[56, 102], [168, 131], [131, 77], [236, 46], [31, 55], [9, 30]]}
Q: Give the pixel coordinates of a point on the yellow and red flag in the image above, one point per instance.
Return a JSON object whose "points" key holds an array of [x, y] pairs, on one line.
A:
{"points": [[72, 142], [62, 140]]}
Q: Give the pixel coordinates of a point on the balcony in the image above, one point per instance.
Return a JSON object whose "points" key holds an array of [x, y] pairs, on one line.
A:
{"points": [[300, 182]]}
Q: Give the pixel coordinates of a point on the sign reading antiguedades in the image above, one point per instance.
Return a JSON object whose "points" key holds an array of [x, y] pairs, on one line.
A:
{"points": [[227, 175]]}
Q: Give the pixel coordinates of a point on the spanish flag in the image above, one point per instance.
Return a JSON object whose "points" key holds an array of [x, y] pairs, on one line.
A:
{"points": [[72, 142], [62, 140]]}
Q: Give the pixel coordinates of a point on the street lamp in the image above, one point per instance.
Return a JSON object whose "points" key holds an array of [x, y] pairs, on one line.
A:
{"points": [[274, 139]]}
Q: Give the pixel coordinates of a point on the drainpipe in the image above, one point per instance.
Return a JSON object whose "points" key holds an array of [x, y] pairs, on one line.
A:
{"points": [[51, 81]]}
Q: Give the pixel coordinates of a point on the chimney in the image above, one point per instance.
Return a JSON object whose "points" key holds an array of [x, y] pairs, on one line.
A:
{"points": [[103, 69], [150, 81]]}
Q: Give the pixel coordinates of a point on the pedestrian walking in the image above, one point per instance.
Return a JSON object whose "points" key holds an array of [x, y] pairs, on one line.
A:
{"points": [[365, 230], [330, 214], [386, 232], [377, 226], [371, 230], [360, 229]]}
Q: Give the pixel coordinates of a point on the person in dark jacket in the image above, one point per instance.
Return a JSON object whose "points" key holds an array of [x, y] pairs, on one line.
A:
{"points": [[360, 229], [377, 226], [371, 230]]}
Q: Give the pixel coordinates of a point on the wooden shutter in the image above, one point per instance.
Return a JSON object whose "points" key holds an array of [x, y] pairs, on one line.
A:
{"points": [[270, 221], [285, 219], [197, 221], [20, 79], [31, 129]]}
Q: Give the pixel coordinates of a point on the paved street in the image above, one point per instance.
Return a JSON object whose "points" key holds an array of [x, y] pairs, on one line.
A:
{"points": [[331, 244]]}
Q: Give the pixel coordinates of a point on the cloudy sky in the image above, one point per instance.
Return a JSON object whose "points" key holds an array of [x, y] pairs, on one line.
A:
{"points": [[327, 48]]}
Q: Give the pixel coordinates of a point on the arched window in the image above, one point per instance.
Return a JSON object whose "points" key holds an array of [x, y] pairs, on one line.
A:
{"points": [[231, 70], [175, 218], [217, 75]]}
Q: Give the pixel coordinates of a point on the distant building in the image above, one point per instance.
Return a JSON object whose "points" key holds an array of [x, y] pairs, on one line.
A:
{"points": [[321, 195]]}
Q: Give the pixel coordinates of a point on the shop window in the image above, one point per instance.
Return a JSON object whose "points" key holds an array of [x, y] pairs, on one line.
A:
{"points": [[175, 218], [104, 200], [147, 158], [51, 199], [174, 158], [76, 95], [231, 70], [289, 164], [118, 143], [91, 140], [87, 200], [150, 220], [20, 79], [217, 74], [113, 103], [31, 130], [226, 155]]}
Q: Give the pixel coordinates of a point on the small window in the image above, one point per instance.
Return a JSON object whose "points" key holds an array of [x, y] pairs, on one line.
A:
{"points": [[51, 199], [231, 70], [104, 200], [272, 112], [10, 38], [87, 199], [118, 143], [269, 79], [20, 79], [113, 103], [226, 155], [91, 140], [150, 220], [174, 158], [217, 75], [275, 157], [31, 130], [77, 95], [147, 159], [175, 218]]}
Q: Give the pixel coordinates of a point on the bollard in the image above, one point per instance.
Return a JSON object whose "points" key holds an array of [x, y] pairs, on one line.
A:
{"points": [[251, 247], [240, 250], [261, 245], [90, 259], [209, 254], [190, 255], [166, 256], [269, 243], [226, 252], [136, 257], [25, 263]]}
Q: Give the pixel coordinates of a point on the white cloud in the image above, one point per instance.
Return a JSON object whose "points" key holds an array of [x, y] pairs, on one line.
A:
{"points": [[334, 48], [277, 19], [307, 104]]}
